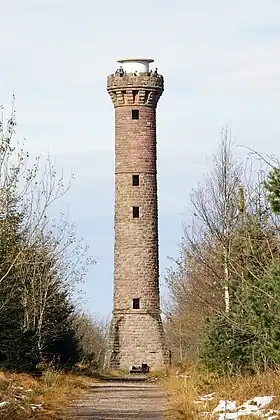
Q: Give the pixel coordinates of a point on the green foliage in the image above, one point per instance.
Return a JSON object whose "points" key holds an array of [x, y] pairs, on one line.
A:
{"points": [[272, 184], [59, 339], [248, 338], [24, 343], [39, 264], [228, 271]]}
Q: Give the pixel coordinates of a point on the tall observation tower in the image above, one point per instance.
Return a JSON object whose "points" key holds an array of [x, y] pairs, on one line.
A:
{"points": [[136, 328]]}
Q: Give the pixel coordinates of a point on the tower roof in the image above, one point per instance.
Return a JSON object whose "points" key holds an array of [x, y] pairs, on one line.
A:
{"points": [[148, 60], [140, 65]]}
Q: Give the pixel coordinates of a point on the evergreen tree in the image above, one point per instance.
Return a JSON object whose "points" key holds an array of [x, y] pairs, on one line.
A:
{"points": [[248, 340], [272, 184], [16, 345], [37, 265], [245, 339]]}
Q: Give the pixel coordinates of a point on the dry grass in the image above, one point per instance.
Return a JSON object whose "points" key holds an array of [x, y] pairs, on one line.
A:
{"points": [[184, 389], [55, 391]]}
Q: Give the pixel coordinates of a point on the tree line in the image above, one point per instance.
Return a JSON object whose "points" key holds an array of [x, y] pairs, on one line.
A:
{"points": [[224, 306], [41, 262], [224, 287]]}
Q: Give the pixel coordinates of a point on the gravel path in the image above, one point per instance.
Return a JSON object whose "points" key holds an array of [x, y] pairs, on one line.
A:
{"points": [[122, 401]]}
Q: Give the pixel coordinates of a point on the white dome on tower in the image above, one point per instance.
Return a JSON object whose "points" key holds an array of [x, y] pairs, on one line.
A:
{"points": [[131, 65]]}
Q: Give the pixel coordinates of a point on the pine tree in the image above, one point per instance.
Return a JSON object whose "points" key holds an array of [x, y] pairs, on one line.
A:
{"points": [[16, 345], [272, 184], [248, 340]]}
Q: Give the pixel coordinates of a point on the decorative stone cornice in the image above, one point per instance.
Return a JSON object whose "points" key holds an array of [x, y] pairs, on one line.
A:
{"points": [[128, 90]]}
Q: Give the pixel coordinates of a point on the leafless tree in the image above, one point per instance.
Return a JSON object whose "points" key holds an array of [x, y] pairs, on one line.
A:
{"points": [[47, 258], [231, 239], [92, 333]]}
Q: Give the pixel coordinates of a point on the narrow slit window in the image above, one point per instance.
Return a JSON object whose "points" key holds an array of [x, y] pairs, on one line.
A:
{"points": [[136, 303], [135, 114], [135, 180], [135, 212]]}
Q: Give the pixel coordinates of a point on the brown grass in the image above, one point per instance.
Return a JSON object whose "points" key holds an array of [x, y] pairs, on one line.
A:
{"points": [[184, 389], [56, 391]]}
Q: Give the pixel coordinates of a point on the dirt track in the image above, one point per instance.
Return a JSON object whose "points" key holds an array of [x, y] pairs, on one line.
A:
{"points": [[122, 401]]}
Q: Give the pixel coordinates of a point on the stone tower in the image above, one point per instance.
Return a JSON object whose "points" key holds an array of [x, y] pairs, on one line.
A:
{"points": [[136, 334]]}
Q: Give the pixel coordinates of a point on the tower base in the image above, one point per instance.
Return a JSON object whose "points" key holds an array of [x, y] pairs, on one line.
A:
{"points": [[136, 338]]}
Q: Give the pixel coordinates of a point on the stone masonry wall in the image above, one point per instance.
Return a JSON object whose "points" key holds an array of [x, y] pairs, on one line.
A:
{"points": [[139, 339], [136, 334]]}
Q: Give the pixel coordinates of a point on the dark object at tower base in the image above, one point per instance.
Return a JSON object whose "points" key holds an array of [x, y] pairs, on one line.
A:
{"points": [[144, 368]]}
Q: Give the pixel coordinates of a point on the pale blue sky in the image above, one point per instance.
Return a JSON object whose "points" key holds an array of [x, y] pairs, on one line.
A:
{"points": [[221, 64]]}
